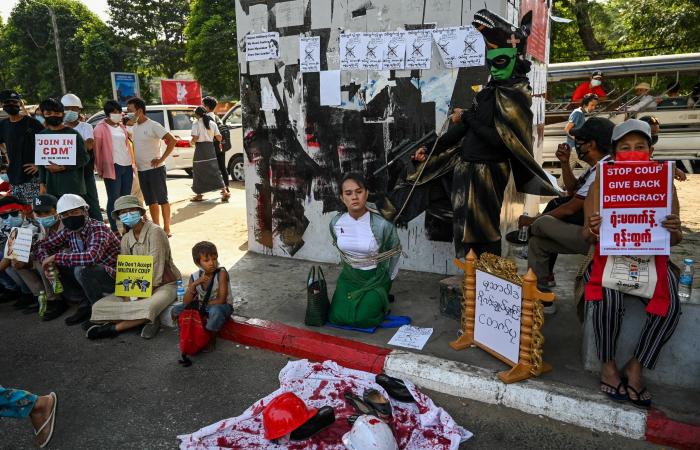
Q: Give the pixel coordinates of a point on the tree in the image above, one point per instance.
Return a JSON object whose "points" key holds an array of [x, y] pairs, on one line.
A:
{"points": [[212, 45], [153, 33], [27, 45], [582, 39]]}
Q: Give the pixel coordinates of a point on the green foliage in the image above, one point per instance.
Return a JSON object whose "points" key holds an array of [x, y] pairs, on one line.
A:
{"points": [[152, 33], [212, 46], [27, 45]]}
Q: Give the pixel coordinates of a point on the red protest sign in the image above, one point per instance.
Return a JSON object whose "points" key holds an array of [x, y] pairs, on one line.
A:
{"points": [[635, 197]]}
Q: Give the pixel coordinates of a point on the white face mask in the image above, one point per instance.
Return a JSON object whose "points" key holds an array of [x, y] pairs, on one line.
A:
{"points": [[116, 118], [595, 82]]}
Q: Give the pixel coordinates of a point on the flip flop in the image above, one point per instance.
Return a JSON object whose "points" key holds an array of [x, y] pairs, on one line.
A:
{"points": [[616, 396], [50, 422], [638, 402]]}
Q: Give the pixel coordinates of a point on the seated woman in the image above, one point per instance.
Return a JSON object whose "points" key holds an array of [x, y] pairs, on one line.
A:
{"points": [[369, 248], [143, 238], [631, 142]]}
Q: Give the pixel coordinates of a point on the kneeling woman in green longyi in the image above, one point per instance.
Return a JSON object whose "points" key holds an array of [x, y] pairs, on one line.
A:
{"points": [[369, 247]]}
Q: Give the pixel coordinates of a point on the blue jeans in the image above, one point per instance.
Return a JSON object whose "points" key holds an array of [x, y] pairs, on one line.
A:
{"points": [[5, 279], [120, 186], [217, 315], [16, 403]]}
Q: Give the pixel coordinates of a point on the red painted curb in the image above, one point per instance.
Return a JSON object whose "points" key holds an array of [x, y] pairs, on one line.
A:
{"points": [[664, 431], [301, 343]]}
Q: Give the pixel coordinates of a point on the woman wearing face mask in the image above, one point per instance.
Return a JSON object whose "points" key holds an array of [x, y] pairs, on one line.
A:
{"points": [[631, 142], [114, 158], [113, 314]]}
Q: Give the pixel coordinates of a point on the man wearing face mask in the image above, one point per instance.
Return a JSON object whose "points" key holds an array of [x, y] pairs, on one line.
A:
{"points": [[71, 117], [57, 179], [13, 214], [84, 252], [594, 86], [17, 142], [558, 229]]}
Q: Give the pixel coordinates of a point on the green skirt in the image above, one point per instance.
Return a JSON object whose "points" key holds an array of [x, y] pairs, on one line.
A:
{"points": [[361, 297]]}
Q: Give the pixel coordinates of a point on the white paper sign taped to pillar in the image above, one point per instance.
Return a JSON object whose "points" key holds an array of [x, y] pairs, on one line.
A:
{"points": [[59, 149], [262, 46], [497, 316], [310, 54], [460, 46]]}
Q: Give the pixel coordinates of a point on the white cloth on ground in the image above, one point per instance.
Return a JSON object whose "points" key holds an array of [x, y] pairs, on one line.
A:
{"points": [[416, 426]]}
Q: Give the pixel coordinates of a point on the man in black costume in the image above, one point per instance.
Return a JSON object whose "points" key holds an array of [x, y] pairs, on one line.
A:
{"points": [[496, 138]]}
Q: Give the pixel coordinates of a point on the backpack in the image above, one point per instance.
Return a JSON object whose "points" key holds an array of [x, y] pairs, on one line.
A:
{"points": [[194, 337]]}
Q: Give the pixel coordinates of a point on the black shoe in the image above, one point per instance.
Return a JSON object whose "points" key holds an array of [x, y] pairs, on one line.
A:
{"points": [[108, 330], [395, 388], [377, 401], [7, 296], [88, 324], [80, 316], [323, 418], [24, 301], [31, 309], [54, 310]]}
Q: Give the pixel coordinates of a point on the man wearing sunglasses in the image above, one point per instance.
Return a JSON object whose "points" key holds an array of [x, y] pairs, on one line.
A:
{"points": [[12, 214], [17, 142], [85, 254]]}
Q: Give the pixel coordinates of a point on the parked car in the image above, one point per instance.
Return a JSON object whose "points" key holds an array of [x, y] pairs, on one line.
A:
{"points": [[177, 119], [233, 125]]}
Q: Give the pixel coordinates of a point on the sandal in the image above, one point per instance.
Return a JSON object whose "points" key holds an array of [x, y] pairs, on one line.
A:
{"points": [[639, 401], [617, 395], [50, 422], [377, 401], [225, 197], [197, 198], [360, 406]]}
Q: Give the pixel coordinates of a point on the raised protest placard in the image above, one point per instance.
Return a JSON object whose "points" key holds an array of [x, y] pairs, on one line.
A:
{"points": [[635, 197], [59, 149], [134, 276], [497, 317], [19, 244]]}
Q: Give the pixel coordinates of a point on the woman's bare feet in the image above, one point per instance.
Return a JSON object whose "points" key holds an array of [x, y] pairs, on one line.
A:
{"points": [[636, 390], [42, 418], [610, 381]]}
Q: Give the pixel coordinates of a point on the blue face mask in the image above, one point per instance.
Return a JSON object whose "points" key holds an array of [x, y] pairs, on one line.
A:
{"points": [[12, 222], [130, 218], [4, 177], [70, 116], [46, 222]]}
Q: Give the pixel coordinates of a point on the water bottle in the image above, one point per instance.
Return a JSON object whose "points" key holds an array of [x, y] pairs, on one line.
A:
{"points": [[42, 303], [685, 283], [522, 234], [180, 291], [56, 283]]}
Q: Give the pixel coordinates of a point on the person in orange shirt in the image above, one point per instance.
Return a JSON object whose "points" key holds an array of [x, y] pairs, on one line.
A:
{"points": [[594, 86]]}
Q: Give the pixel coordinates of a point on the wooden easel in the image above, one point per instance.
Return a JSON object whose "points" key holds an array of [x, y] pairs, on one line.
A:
{"points": [[530, 362]]}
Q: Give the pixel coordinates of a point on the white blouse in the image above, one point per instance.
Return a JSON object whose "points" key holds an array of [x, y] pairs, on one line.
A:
{"points": [[356, 237]]}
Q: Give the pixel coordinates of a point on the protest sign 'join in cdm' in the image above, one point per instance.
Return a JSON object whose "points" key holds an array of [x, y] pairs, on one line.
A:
{"points": [[635, 197], [59, 149]]}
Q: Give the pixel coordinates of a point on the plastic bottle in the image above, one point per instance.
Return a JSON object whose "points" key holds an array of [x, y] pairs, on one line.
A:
{"points": [[42, 303], [522, 234], [685, 283], [180, 291], [56, 284]]}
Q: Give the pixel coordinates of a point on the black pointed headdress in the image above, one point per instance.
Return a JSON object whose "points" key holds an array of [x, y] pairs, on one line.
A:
{"points": [[499, 33]]}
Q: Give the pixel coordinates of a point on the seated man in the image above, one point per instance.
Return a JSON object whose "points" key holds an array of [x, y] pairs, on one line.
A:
{"points": [[85, 254], [12, 213], [46, 222], [646, 101], [554, 231]]}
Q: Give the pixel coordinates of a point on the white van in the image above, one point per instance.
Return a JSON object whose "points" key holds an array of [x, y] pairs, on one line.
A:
{"points": [[178, 120]]}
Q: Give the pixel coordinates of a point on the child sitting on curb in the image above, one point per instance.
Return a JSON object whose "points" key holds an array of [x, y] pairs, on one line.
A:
{"points": [[220, 305]]}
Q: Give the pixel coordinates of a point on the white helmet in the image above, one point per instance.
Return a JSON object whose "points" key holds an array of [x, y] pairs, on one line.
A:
{"points": [[369, 432], [68, 202], [71, 100]]}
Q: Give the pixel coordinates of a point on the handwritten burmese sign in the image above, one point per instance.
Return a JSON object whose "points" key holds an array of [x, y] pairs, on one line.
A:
{"points": [[58, 149], [497, 317], [134, 276], [635, 197]]}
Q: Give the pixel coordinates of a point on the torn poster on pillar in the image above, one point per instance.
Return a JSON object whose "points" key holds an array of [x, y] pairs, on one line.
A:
{"points": [[460, 46], [394, 54], [418, 47], [268, 101], [310, 54], [262, 46], [353, 47]]}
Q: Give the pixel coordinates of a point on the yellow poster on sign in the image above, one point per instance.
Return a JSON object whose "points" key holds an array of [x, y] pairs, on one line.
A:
{"points": [[134, 276]]}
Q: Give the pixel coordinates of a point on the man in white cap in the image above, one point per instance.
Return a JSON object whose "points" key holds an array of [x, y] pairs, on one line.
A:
{"points": [[73, 105], [646, 102], [84, 253]]}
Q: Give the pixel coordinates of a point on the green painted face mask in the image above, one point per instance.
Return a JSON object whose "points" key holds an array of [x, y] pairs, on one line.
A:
{"points": [[501, 62]]}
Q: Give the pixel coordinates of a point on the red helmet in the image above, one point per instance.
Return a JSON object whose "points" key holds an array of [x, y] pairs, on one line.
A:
{"points": [[284, 414]]}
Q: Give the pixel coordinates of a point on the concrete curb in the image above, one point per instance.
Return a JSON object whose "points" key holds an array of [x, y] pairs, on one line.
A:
{"points": [[560, 402]]}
